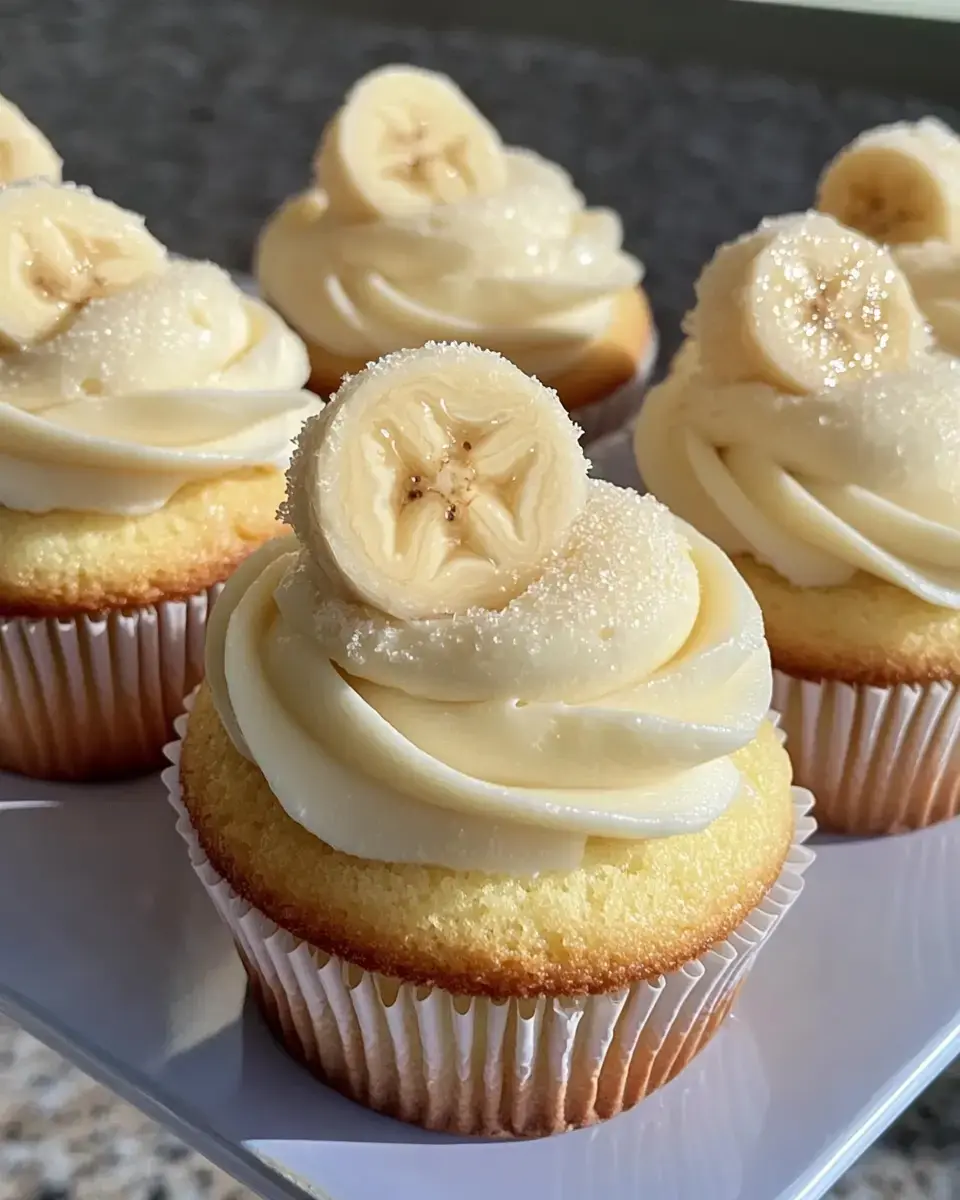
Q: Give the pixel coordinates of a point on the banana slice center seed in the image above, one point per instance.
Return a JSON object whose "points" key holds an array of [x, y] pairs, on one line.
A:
{"points": [[877, 214], [64, 267], [843, 315], [424, 160], [469, 480]]}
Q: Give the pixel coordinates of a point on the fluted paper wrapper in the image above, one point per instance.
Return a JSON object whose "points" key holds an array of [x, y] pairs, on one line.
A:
{"points": [[617, 410], [878, 760], [95, 696], [473, 1065]]}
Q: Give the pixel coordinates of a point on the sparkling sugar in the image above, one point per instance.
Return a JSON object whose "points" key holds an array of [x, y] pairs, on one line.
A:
{"points": [[614, 606]]}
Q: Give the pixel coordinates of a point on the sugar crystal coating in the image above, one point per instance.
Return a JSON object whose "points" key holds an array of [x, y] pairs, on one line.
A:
{"points": [[613, 607], [168, 330]]}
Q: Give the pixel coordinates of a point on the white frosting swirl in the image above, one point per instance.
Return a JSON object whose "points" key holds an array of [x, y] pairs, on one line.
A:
{"points": [[178, 377], [863, 476], [528, 271], [933, 272], [603, 702]]}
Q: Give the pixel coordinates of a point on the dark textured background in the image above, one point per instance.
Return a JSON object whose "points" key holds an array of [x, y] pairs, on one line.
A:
{"points": [[204, 115]]}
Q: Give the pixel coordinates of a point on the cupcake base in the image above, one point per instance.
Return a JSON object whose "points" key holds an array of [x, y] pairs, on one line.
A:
{"points": [[878, 760], [477, 1065], [94, 697]]}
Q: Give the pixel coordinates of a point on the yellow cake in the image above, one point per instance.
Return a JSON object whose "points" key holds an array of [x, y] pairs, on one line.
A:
{"points": [[488, 741], [421, 225], [866, 631], [60, 563], [147, 410], [809, 426], [663, 902]]}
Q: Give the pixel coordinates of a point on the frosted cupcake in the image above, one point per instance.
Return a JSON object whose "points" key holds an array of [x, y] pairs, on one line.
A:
{"points": [[481, 777], [900, 184], [811, 431], [147, 410], [421, 224]]}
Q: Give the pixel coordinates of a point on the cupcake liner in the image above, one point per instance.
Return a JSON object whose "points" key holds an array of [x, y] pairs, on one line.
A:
{"points": [[878, 760], [723, 1095], [618, 409], [95, 696], [473, 1065]]}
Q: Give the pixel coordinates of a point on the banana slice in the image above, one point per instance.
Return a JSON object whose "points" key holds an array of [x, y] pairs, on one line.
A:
{"points": [[897, 183], [406, 140], [24, 152], [61, 246], [437, 480], [801, 303]]}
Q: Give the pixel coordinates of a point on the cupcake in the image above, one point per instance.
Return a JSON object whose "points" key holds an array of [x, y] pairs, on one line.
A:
{"points": [[481, 776], [147, 410], [811, 430], [900, 184], [421, 224]]}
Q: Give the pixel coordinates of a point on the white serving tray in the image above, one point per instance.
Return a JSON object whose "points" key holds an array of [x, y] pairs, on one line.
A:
{"points": [[111, 953]]}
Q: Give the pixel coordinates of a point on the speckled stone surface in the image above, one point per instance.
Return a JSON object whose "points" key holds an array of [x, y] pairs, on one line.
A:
{"points": [[204, 116]]}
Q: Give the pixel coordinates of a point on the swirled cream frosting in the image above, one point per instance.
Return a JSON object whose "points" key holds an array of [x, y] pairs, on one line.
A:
{"points": [[423, 225], [859, 472], [125, 374], [933, 272], [604, 700]]}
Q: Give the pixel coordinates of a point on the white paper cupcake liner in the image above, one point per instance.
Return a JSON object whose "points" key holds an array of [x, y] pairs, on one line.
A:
{"points": [[618, 409], [94, 696], [878, 760], [473, 1065]]}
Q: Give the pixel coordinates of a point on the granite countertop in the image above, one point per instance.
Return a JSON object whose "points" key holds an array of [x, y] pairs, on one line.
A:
{"points": [[204, 117]]}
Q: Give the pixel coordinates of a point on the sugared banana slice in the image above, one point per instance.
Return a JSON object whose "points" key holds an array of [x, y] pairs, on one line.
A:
{"points": [[437, 480], [24, 151], [61, 246], [897, 183], [404, 141], [803, 302]]}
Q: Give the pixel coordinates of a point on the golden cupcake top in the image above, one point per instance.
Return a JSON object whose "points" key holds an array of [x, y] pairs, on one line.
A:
{"points": [[126, 373], [421, 224], [900, 184], [809, 421], [493, 656]]}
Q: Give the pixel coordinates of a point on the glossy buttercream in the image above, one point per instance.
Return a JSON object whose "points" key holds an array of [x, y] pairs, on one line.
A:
{"points": [[602, 702], [860, 476], [528, 270]]}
